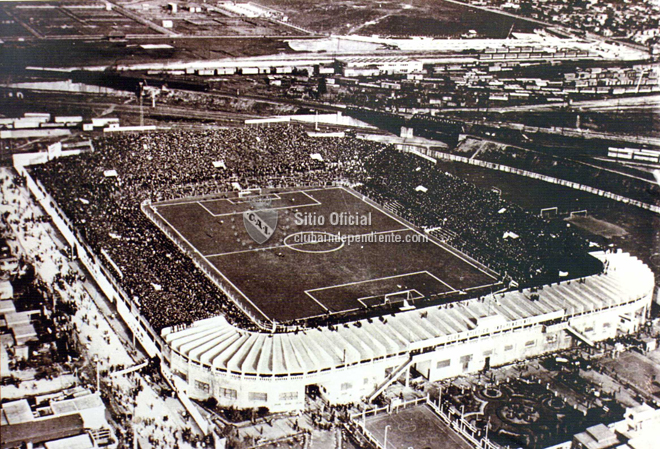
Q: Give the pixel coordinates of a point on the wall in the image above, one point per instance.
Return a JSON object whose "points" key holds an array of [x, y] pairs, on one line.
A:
{"points": [[546, 178], [105, 282], [468, 355]]}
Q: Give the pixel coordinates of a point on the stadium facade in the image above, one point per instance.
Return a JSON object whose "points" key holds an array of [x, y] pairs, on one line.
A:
{"points": [[348, 362], [353, 361]]}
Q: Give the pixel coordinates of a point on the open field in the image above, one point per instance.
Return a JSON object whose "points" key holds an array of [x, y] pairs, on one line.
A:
{"points": [[62, 53], [416, 427], [394, 18], [641, 238], [598, 227], [304, 269], [53, 19]]}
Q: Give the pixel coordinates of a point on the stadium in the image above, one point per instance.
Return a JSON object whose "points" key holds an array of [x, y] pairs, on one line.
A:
{"points": [[162, 222]]}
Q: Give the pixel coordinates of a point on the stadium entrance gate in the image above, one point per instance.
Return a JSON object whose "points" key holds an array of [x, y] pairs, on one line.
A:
{"points": [[313, 391]]}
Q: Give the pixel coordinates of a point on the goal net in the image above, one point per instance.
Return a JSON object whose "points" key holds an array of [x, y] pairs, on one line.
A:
{"points": [[249, 192]]}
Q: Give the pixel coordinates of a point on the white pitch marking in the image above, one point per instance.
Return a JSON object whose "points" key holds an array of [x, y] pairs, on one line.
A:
{"points": [[205, 208], [366, 280], [213, 266], [441, 281], [425, 236], [295, 206], [317, 301]]}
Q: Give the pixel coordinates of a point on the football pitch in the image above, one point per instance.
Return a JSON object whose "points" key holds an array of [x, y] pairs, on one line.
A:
{"points": [[326, 251]]}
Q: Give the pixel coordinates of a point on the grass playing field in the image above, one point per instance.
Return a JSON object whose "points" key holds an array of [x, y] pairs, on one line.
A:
{"points": [[313, 262]]}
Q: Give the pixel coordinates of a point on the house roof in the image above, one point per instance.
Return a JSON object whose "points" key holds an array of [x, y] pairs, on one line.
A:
{"points": [[40, 431], [17, 412], [77, 442]]}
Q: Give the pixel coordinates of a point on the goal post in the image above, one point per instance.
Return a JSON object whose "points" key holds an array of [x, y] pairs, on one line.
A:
{"points": [[579, 213], [549, 212], [249, 192], [400, 296]]}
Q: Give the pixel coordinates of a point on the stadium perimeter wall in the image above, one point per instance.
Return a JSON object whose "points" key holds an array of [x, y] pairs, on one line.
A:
{"points": [[426, 152], [128, 310], [255, 315]]}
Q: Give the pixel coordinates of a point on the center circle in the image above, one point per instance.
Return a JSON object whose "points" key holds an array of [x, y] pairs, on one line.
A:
{"points": [[313, 242]]}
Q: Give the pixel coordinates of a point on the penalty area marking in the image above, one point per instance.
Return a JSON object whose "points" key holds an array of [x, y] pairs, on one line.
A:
{"points": [[452, 251], [416, 295], [441, 281], [228, 214], [247, 199], [308, 292]]}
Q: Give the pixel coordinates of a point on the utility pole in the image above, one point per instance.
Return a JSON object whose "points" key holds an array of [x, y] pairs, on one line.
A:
{"points": [[98, 375], [140, 94]]}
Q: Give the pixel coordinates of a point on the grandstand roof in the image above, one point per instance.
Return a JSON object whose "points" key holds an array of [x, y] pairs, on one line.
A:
{"points": [[214, 342]]}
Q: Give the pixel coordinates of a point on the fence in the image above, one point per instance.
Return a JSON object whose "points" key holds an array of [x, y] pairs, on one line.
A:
{"points": [[517, 171], [291, 440], [104, 279], [453, 418], [258, 317]]}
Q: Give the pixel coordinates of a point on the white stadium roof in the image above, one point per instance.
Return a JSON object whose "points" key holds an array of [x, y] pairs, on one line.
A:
{"points": [[216, 343]]}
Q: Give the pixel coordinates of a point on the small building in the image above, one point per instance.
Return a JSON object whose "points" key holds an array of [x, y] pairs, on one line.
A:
{"points": [[596, 437], [649, 344], [89, 406], [76, 422], [24, 333], [6, 290], [83, 441], [33, 432]]}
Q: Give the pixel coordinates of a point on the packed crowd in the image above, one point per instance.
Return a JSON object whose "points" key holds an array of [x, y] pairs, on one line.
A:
{"points": [[157, 166], [506, 238], [86, 339]]}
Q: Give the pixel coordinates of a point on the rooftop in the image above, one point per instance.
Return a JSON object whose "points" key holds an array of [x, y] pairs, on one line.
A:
{"points": [[41, 430]]}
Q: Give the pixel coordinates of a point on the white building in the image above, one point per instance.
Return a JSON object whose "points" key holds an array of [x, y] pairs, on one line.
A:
{"points": [[374, 66], [357, 360]]}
